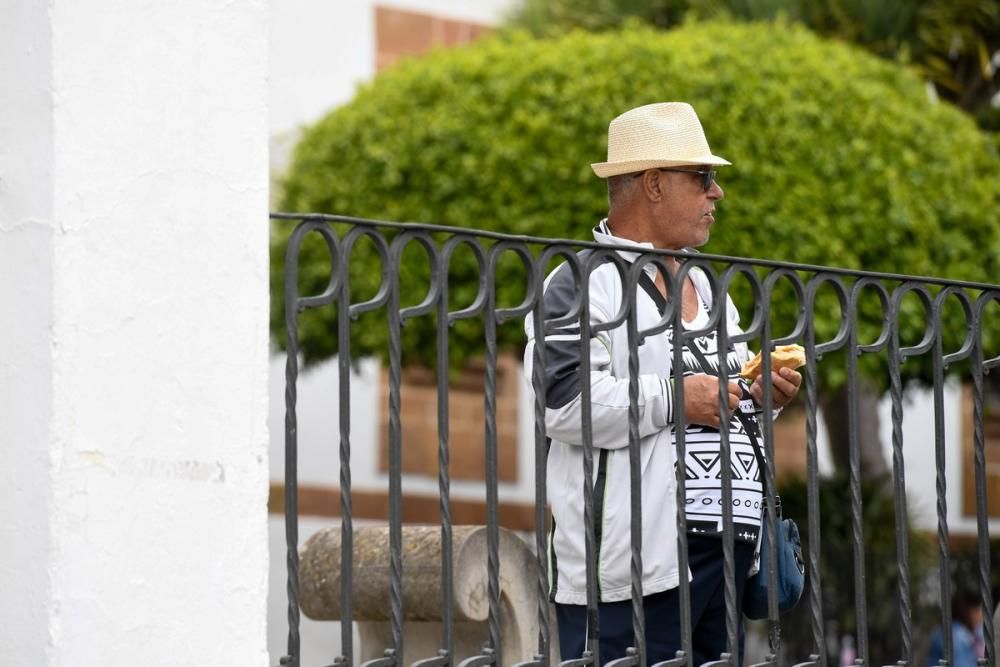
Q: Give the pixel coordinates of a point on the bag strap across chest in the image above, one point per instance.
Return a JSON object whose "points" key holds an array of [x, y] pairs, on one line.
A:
{"points": [[749, 422]]}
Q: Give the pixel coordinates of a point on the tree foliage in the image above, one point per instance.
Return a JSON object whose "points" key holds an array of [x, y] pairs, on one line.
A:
{"points": [[839, 159], [951, 43]]}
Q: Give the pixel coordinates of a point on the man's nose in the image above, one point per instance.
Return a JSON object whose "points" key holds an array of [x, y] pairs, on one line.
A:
{"points": [[715, 193]]}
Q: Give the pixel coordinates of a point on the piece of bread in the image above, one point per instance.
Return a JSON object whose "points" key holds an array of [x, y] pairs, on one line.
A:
{"points": [[784, 356]]}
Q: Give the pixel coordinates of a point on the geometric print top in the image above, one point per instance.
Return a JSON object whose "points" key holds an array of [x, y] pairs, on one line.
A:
{"points": [[702, 465]]}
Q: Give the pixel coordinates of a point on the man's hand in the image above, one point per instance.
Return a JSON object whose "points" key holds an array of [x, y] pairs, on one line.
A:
{"points": [[701, 399], [785, 385]]}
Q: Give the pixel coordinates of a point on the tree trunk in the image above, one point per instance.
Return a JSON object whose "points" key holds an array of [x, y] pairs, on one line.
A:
{"points": [[835, 408]]}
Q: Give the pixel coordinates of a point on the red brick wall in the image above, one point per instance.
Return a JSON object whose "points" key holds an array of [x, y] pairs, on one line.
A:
{"points": [[467, 420], [790, 442], [991, 429], [406, 33]]}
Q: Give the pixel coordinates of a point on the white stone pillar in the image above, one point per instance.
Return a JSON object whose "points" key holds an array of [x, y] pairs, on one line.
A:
{"points": [[134, 341]]}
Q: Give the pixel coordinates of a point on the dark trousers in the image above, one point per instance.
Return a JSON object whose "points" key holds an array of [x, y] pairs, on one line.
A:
{"points": [[663, 621]]}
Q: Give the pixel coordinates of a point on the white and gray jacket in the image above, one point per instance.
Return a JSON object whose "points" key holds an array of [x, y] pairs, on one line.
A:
{"points": [[609, 417]]}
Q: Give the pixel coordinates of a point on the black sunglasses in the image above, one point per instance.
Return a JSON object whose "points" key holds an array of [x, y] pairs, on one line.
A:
{"points": [[707, 175]]}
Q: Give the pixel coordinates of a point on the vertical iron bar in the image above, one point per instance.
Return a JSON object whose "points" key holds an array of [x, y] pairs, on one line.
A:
{"points": [[725, 461], [899, 489], [444, 483], [860, 600], [635, 480], [767, 476], [942, 484], [395, 468], [492, 517], [292, 659], [593, 626], [541, 465], [812, 496], [680, 429], [982, 516], [346, 518]]}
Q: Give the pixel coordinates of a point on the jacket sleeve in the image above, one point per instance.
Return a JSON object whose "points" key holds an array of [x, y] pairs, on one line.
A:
{"points": [[609, 399]]}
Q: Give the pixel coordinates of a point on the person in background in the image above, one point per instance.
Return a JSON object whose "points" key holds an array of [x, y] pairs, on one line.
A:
{"points": [[966, 633]]}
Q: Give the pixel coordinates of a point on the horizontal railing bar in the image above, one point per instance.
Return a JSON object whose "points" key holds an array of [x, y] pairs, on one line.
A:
{"points": [[500, 236]]}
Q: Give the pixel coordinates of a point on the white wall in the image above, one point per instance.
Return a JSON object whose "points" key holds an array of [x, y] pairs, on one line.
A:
{"points": [[133, 233], [319, 53], [26, 187], [321, 50], [919, 455]]}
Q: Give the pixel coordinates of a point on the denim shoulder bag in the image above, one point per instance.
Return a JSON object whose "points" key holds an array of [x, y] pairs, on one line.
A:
{"points": [[789, 567]]}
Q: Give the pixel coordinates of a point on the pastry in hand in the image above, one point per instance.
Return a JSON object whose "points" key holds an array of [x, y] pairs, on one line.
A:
{"points": [[784, 356]]}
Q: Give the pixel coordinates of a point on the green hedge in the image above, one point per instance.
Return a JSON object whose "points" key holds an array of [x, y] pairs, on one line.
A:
{"points": [[839, 159]]}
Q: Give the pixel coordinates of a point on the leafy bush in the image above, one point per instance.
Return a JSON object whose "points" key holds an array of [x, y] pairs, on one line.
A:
{"points": [[839, 159]]}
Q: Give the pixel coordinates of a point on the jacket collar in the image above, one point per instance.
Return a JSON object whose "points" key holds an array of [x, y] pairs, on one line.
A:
{"points": [[631, 250]]}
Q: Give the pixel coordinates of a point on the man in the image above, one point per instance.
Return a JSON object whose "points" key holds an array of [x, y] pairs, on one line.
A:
{"points": [[662, 194]]}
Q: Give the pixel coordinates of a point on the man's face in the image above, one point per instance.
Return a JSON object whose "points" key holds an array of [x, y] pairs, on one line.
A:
{"points": [[686, 212]]}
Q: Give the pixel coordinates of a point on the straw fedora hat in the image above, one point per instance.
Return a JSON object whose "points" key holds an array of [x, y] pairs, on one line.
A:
{"points": [[667, 134]]}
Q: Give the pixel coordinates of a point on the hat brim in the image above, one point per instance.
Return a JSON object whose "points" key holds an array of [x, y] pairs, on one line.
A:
{"points": [[608, 169]]}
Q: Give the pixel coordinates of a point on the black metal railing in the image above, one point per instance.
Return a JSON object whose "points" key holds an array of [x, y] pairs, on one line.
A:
{"points": [[761, 280]]}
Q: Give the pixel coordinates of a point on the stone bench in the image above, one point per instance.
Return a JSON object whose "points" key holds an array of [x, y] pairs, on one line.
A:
{"points": [[319, 581]]}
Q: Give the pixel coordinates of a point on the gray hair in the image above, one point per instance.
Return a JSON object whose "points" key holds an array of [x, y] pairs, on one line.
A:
{"points": [[620, 190]]}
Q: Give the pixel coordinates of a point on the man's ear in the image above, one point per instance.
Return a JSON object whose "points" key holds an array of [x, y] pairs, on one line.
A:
{"points": [[653, 185]]}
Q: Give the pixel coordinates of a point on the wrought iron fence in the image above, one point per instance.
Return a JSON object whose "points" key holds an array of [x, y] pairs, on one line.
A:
{"points": [[761, 280]]}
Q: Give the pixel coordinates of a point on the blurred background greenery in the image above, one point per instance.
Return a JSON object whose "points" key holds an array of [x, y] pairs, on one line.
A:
{"points": [[840, 159], [953, 44]]}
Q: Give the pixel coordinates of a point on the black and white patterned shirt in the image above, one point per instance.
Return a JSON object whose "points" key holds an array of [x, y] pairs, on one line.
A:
{"points": [[702, 465]]}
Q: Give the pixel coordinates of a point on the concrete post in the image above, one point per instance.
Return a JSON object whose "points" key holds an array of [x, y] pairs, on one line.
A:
{"points": [[133, 350]]}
